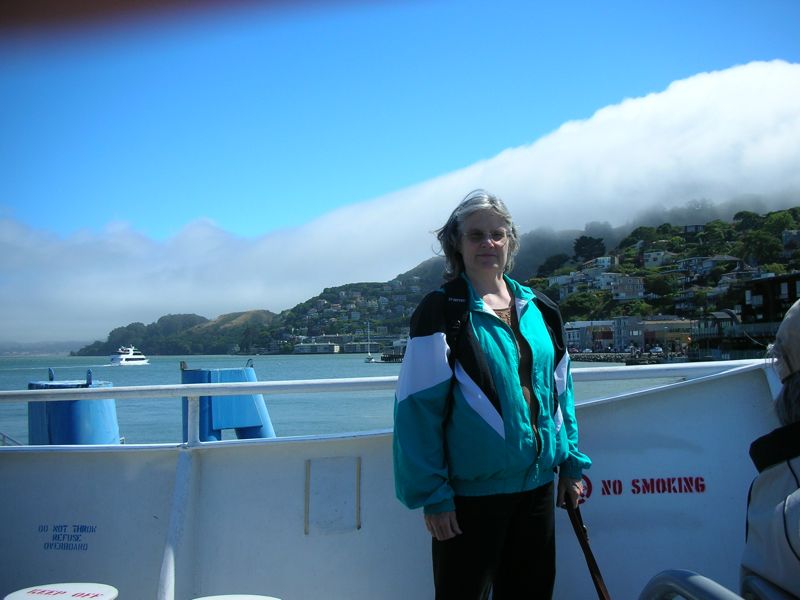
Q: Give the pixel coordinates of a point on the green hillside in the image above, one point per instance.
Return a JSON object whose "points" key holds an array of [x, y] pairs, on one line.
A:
{"points": [[751, 241]]}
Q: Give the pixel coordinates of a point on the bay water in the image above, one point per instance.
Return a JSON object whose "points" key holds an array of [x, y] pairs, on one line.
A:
{"points": [[153, 421]]}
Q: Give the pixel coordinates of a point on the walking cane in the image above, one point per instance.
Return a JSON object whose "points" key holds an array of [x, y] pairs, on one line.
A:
{"points": [[583, 538]]}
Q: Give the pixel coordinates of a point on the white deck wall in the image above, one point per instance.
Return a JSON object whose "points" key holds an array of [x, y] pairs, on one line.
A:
{"points": [[317, 518]]}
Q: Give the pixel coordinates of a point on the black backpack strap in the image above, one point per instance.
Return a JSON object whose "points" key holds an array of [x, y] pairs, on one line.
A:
{"points": [[456, 314], [555, 327], [456, 317], [554, 322]]}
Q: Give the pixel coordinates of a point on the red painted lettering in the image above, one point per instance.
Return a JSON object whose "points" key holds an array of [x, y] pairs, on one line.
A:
{"points": [[611, 487], [668, 485]]}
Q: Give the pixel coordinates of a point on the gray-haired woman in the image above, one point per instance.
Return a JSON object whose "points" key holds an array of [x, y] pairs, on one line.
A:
{"points": [[484, 416], [772, 550]]}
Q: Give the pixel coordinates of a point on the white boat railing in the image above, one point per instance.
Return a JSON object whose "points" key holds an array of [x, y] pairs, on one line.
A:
{"points": [[685, 370], [193, 391], [7, 440]]}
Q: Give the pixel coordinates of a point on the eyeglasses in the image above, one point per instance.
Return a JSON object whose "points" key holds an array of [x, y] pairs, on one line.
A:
{"points": [[476, 236]]}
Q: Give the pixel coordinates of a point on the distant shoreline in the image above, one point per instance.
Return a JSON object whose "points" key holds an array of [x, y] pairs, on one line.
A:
{"points": [[598, 357]]}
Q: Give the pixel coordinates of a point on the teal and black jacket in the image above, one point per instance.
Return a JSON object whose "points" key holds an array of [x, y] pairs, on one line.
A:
{"points": [[466, 430]]}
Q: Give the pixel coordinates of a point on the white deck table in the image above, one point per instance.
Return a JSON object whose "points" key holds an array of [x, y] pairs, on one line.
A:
{"points": [[99, 591]]}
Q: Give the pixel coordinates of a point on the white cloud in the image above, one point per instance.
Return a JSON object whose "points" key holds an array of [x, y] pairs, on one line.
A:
{"points": [[713, 136]]}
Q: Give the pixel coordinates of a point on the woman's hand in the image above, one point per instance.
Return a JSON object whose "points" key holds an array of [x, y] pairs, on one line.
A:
{"points": [[569, 490], [442, 526]]}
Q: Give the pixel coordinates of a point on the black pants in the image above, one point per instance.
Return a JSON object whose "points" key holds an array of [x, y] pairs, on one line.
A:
{"points": [[507, 546]]}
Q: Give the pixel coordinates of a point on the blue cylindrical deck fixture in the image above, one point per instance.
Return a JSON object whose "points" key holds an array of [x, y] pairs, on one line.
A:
{"points": [[246, 414], [72, 422]]}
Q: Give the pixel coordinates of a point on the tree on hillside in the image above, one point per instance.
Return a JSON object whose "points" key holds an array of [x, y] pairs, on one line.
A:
{"points": [[776, 223], [587, 247], [130, 335], [746, 220], [640, 234], [777, 268], [172, 324], [667, 230], [540, 285], [248, 339], [638, 308], [582, 306], [760, 247], [655, 283], [715, 238], [551, 264], [676, 244], [537, 283]]}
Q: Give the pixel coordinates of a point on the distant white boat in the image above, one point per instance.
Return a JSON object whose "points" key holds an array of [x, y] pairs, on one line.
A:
{"points": [[129, 356], [369, 358]]}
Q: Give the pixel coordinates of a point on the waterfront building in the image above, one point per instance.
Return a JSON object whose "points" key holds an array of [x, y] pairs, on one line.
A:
{"points": [[767, 299], [361, 347], [627, 333], [670, 332], [746, 330], [589, 335], [316, 348]]}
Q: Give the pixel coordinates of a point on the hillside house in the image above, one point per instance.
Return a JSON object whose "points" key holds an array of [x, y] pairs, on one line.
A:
{"points": [[622, 287], [767, 299], [658, 258], [791, 241], [600, 264], [697, 267], [692, 229], [687, 299], [569, 284]]}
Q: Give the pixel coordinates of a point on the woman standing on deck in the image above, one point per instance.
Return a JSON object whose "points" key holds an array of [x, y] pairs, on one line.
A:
{"points": [[484, 416], [772, 549]]}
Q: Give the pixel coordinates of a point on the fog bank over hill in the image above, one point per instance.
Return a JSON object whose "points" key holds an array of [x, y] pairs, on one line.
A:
{"points": [[701, 211], [199, 335], [720, 141], [536, 246]]}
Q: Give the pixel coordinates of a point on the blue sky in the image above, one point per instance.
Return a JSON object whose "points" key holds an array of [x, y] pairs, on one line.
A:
{"points": [[265, 118], [258, 125]]}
